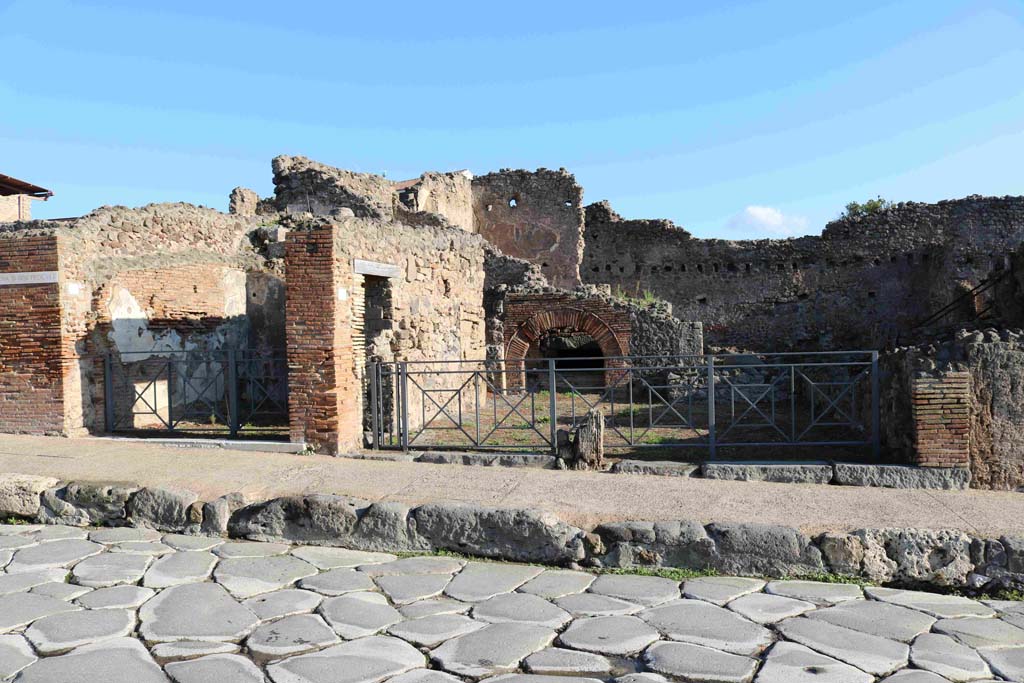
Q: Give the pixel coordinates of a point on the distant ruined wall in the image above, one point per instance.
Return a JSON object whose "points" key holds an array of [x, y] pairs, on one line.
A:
{"points": [[302, 185], [447, 194]]}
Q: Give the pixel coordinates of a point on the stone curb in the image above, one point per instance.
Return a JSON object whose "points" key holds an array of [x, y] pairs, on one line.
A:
{"points": [[895, 556]]}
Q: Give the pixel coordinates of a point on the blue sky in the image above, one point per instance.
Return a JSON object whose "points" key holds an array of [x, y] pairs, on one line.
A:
{"points": [[735, 119]]}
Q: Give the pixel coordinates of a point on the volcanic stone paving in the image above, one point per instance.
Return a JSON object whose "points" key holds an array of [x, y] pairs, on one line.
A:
{"points": [[128, 605]]}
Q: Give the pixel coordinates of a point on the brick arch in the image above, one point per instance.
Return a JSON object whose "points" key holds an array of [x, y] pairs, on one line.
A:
{"points": [[563, 319]]}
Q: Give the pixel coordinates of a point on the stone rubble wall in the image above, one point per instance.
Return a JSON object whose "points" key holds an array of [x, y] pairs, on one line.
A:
{"points": [[894, 556], [445, 194], [302, 185]]}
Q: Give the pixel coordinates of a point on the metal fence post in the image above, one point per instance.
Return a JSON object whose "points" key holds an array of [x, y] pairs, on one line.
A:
{"points": [[712, 446], [170, 392], [232, 393], [108, 394], [552, 409], [403, 382], [876, 442], [374, 408]]}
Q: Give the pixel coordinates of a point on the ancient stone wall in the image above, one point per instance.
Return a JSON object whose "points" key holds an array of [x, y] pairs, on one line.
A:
{"points": [[447, 194], [302, 185], [865, 282]]}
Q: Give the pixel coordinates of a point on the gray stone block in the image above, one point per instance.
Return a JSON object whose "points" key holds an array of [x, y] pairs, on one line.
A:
{"points": [[19, 493], [217, 513], [538, 460], [789, 473], [307, 519], [167, 509], [667, 544], [762, 549], [86, 503], [902, 476], [663, 468]]}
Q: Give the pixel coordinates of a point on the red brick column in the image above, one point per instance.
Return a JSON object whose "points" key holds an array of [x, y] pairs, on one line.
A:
{"points": [[941, 413]]}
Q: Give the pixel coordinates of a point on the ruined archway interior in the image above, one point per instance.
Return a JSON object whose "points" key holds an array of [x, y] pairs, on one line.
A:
{"points": [[578, 357]]}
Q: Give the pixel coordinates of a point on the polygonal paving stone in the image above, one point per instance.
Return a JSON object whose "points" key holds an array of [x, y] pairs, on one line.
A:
{"points": [[414, 565], [594, 605], [234, 549], [768, 609], [978, 632], [5, 557], [16, 583], [792, 663], [21, 609], [943, 655], [123, 534], [433, 630], [119, 660], [190, 649], [62, 632], [15, 655], [110, 569], [878, 656], [426, 608], [642, 590], [915, 676], [178, 568], [1008, 663], [338, 582], [366, 660], [15, 542], [1002, 606], [60, 590], [426, 676], [406, 588], [818, 592], [482, 580], [195, 543], [126, 597], [323, 557], [701, 623], [556, 583], [642, 677], [719, 590], [57, 533], [153, 548], [521, 607], [609, 635], [877, 618], [195, 611], [354, 616], [940, 606], [283, 603], [496, 648], [696, 663], [557, 661], [245, 577], [290, 636], [1015, 619], [537, 678], [53, 554], [220, 668]]}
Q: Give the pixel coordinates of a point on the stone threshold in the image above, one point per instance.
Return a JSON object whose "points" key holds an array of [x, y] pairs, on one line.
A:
{"points": [[228, 444]]}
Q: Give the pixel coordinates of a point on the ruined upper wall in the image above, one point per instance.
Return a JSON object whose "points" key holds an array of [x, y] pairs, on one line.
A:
{"points": [[447, 194], [302, 185], [537, 216]]}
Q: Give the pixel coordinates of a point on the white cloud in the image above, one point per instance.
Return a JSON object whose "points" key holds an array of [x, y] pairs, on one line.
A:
{"points": [[766, 221]]}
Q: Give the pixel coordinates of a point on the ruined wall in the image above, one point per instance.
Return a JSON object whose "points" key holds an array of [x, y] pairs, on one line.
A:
{"points": [[447, 194], [15, 207], [865, 282], [302, 185], [537, 216]]}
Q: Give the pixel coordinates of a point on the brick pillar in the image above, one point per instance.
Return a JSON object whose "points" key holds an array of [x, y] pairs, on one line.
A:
{"points": [[941, 412]]}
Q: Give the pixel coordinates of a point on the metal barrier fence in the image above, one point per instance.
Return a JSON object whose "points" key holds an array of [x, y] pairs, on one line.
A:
{"points": [[704, 402], [222, 392]]}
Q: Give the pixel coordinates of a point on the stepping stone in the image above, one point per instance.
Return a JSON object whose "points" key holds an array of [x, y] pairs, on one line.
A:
{"points": [[63, 632], [915, 676], [15, 655], [21, 609], [283, 603], [556, 583], [414, 565], [878, 656], [426, 608], [942, 655], [818, 592], [433, 630], [642, 590], [119, 660], [123, 534], [57, 533], [178, 568], [494, 649], [482, 580], [792, 663], [1008, 663], [718, 590], [124, 597], [332, 558], [245, 577], [152, 548], [763, 608], [426, 676], [221, 668], [696, 663], [521, 607], [338, 582], [559, 662], [290, 636], [609, 635], [195, 543], [16, 583], [877, 618], [367, 660], [939, 606], [53, 554], [701, 623], [110, 569], [233, 549], [977, 632], [594, 605], [354, 616], [61, 591], [195, 611], [190, 649], [406, 588]]}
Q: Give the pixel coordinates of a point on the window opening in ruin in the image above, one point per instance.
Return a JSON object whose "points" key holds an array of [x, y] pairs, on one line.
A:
{"points": [[513, 203], [372, 315], [568, 204], [700, 268], [578, 358], [702, 300], [747, 267]]}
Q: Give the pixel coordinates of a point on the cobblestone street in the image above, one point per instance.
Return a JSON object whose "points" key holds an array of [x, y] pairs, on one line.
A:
{"points": [[125, 604]]}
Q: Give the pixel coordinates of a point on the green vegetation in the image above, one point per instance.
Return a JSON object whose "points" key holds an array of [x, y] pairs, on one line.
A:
{"points": [[868, 208], [14, 520], [673, 573], [646, 297]]}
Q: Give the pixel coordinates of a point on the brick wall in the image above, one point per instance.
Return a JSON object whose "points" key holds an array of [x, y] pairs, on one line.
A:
{"points": [[15, 207], [941, 418]]}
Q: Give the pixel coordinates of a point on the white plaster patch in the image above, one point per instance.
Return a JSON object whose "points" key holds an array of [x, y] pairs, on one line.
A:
{"points": [[75, 288], [234, 293], [130, 331], [342, 294]]}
